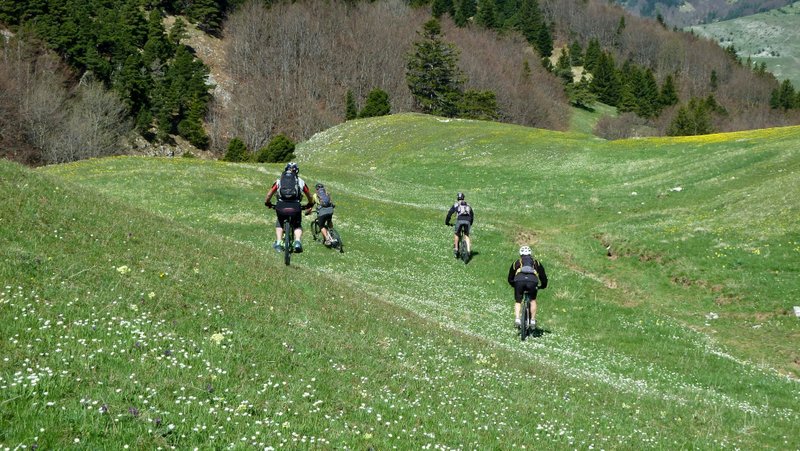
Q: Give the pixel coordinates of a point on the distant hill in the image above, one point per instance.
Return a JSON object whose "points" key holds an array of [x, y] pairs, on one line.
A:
{"points": [[772, 37], [681, 13]]}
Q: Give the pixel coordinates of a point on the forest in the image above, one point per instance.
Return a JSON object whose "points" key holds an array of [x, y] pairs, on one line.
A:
{"points": [[87, 78]]}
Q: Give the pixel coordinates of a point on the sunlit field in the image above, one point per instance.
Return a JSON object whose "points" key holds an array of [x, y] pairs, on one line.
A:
{"points": [[144, 306]]}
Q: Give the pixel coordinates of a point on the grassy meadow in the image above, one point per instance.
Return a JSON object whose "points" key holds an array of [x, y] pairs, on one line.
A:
{"points": [[144, 306]]}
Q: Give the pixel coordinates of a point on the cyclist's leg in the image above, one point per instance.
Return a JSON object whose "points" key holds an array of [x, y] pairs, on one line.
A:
{"points": [[533, 305], [278, 228], [467, 238], [517, 301]]}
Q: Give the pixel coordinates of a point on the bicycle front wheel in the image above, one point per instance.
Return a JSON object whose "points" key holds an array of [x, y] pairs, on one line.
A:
{"points": [[525, 316], [287, 242]]}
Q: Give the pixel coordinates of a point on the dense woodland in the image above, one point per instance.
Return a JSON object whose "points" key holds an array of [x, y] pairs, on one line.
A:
{"points": [[80, 77]]}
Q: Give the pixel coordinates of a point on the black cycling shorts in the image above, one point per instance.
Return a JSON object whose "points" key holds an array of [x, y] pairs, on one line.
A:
{"points": [[462, 223], [521, 286], [290, 210], [325, 221]]}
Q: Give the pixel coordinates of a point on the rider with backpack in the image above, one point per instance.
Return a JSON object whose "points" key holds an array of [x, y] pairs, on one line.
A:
{"points": [[290, 189], [464, 218], [526, 274], [322, 199]]}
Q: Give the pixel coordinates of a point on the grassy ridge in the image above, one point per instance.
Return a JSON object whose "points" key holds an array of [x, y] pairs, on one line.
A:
{"points": [[770, 37], [631, 353]]}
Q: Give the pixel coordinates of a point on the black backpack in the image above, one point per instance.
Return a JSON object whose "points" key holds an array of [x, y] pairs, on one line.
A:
{"points": [[527, 269], [324, 198], [290, 187]]}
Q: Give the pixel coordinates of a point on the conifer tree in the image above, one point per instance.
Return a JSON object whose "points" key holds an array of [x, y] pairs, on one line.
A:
{"points": [[279, 150], [544, 41], [580, 95], [441, 7], [593, 53], [605, 82], [432, 73], [576, 53], [481, 105], [563, 67], [351, 109], [646, 94], [487, 14], [668, 95], [714, 80]]}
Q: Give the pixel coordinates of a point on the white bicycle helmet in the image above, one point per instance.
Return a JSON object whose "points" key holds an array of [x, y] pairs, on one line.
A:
{"points": [[525, 250]]}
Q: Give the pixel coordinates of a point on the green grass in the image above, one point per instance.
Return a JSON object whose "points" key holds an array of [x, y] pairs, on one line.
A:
{"points": [[584, 121], [771, 37], [682, 338]]}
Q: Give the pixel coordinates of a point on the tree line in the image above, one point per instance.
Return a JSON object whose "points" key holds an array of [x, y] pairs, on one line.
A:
{"points": [[301, 67]]}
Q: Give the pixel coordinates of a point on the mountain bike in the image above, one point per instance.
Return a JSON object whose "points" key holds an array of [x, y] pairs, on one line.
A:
{"points": [[463, 249], [336, 239], [287, 243], [525, 316]]}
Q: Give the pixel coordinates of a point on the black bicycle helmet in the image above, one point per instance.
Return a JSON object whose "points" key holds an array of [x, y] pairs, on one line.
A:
{"points": [[460, 196], [319, 186], [291, 167]]}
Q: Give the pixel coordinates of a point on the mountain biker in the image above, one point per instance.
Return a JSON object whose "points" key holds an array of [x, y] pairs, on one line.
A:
{"points": [[526, 274], [325, 206], [290, 188], [464, 218]]}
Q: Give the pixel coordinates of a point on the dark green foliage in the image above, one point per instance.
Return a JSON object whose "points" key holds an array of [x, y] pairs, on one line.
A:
{"points": [[432, 73], [377, 104], [593, 54], [487, 14], [279, 150], [124, 45], [580, 95], [605, 83], [465, 9], [563, 67], [351, 109], [714, 81], [645, 90], [691, 119], [544, 41], [576, 53], [237, 151], [441, 7], [480, 105], [784, 96], [669, 94]]}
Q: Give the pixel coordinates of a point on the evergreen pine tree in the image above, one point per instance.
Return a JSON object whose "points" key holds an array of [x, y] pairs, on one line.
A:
{"points": [[580, 95], [714, 81], [563, 67], [647, 95], [576, 53], [432, 73], [593, 53], [605, 82], [487, 14], [441, 7], [351, 109], [544, 41], [669, 94]]}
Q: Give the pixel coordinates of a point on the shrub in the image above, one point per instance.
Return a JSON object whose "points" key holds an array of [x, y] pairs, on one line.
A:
{"points": [[377, 104], [478, 105], [237, 151], [279, 150]]}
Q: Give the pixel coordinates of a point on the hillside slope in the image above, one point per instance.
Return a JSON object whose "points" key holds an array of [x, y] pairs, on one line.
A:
{"points": [[662, 344], [771, 37]]}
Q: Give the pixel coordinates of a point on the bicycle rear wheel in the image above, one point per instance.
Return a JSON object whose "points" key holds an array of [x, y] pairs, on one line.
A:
{"points": [[335, 238], [525, 316], [287, 242], [463, 251]]}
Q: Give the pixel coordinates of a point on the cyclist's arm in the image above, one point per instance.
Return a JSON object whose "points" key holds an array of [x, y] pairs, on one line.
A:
{"points": [[511, 273], [307, 192], [271, 193], [542, 276], [449, 215]]}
